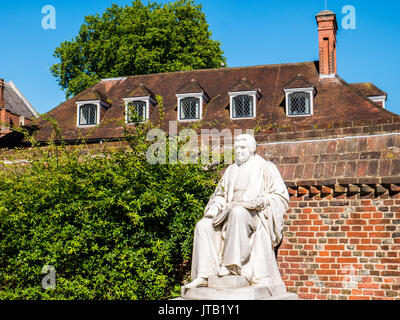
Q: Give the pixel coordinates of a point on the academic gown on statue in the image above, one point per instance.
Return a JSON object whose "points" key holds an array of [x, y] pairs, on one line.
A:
{"points": [[241, 236]]}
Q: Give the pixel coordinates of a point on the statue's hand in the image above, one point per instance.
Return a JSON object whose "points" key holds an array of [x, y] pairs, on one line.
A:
{"points": [[262, 202], [211, 212]]}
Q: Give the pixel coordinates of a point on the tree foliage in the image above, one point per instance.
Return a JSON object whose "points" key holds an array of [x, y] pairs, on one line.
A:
{"points": [[137, 39], [112, 225]]}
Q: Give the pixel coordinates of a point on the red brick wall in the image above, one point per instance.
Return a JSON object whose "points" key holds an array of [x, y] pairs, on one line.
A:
{"points": [[4, 121], [342, 249], [342, 231]]}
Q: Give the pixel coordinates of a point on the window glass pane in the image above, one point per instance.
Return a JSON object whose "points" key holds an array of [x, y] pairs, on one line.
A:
{"points": [[242, 107], [299, 103], [189, 108], [88, 114], [137, 108]]}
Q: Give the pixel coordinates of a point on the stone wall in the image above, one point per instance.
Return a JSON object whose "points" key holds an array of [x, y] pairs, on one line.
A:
{"points": [[353, 159], [279, 133]]}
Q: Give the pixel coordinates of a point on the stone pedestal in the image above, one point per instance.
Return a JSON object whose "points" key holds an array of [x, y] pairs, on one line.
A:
{"points": [[235, 288]]}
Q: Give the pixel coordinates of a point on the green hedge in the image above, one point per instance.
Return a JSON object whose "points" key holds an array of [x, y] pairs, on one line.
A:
{"points": [[113, 226]]}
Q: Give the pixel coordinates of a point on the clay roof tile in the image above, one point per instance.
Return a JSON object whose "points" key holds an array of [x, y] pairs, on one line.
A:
{"points": [[91, 95], [141, 91]]}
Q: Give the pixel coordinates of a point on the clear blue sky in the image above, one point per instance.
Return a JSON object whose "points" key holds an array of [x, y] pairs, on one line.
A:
{"points": [[252, 32]]}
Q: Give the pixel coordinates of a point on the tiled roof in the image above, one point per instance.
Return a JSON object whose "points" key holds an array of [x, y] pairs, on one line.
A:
{"points": [[298, 82], [243, 85], [16, 103], [89, 95], [368, 89], [335, 99], [191, 86], [141, 91]]}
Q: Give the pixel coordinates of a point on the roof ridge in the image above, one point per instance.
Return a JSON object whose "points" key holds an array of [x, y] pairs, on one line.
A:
{"points": [[362, 82], [211, 69]]}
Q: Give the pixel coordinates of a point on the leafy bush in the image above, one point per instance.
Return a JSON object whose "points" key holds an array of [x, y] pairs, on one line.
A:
{"points": [[112, 225]]}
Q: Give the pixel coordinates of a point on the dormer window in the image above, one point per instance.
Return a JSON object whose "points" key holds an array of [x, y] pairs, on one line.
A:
{"points": [[87, 115], [139, 104], [299, 97], [243, 98], [89, 112], [243, 104], [191, 99], [299, 101], [90, 108], [138, 109], [190, 106]]}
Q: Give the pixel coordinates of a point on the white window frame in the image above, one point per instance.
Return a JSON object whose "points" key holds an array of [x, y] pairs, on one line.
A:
{"points": [[97, 103], [310, 91], [381, 99], [147, 99], [254, 94], [202, 100]]}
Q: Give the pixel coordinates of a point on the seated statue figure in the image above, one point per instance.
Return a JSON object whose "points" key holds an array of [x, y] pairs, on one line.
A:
{"points": [[243, 222]]}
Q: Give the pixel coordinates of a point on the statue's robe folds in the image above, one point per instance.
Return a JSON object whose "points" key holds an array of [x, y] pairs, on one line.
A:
{"points": [[240, 238]]}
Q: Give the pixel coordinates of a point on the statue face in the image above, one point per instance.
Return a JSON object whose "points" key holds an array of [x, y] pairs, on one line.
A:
{"points": [[242, 152]]}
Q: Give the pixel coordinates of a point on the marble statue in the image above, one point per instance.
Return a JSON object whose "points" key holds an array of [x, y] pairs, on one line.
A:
{"points": [[242, 224]]}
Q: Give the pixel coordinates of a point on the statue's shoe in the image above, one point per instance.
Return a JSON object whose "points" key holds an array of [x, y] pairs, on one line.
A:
{"points": [[198, 282]]}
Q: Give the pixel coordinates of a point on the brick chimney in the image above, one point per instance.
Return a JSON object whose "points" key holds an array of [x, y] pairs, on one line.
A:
{"points": [[2, 102], [327, 29]]}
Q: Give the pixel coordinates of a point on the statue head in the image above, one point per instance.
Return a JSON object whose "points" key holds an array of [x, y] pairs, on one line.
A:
{"points": [[245, 146]]}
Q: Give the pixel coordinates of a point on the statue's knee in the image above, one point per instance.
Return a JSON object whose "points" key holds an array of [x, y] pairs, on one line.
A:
{"points": [[204, 224], [238, 212]]}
